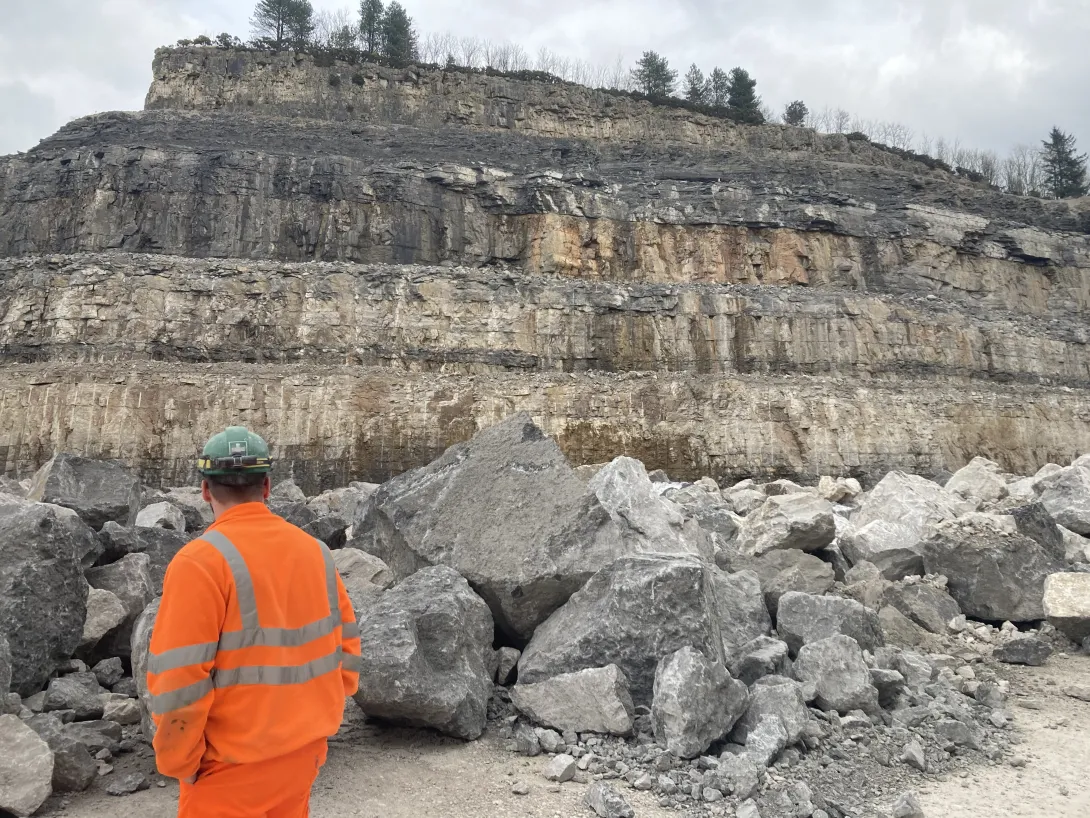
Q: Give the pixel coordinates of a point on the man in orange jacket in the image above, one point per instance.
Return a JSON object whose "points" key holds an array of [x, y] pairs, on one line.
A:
{"points": [[254, 649]]}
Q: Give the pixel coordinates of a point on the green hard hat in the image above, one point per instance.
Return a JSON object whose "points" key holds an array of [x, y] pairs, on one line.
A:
{"points": [[235, 451]]}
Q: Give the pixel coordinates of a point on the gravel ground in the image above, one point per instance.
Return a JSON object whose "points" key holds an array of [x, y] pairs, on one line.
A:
{"points": [[395, 773]]}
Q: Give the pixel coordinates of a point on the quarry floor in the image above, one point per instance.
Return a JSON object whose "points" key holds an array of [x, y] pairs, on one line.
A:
{"points": [[391, 773]]}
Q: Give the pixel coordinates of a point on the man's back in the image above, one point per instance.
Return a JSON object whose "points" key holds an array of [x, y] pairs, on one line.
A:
{"points": [[247, 652]]}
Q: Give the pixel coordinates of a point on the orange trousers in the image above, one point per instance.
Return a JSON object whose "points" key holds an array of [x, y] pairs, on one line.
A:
{"points": [[277, 788]]}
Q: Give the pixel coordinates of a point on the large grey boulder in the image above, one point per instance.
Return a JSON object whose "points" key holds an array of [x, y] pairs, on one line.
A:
{"points": [[426, 646], [1067, 604], [287, 491], [43, 595], [1066, 495], [78, 692], [648, 522], [595, 700], [743, 615], [365, 576], [87, 542], [1034, 521], [198, 514], [1076, 547], [507, 512], [836, 667], [630, 614], [161, 515], [896, 550], [774, 696], [140, 647], [130, 580], [764, 656], [74, 770], [783, 571], [26, 768], [343, 502], [910, 501], [982, 480], [926, 604], [710, 510], [105, 613], [695, 704], [160, 544], [331, 530], [802, 522], [803, 618], [97, 490], [994, 572]]}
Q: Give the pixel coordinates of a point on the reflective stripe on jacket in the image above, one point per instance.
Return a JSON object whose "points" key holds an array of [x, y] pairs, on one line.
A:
{"points": [[254, 648]]}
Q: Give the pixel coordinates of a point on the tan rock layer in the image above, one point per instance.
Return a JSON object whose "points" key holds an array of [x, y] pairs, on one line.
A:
{"points": [[332, 424], [118, 307]]}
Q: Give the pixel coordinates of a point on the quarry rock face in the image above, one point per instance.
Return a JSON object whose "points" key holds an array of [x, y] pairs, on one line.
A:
{"points": [[599, 262]]}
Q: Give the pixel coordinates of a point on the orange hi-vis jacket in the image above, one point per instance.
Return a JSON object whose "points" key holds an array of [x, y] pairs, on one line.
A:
{"points": [[255, 645]]}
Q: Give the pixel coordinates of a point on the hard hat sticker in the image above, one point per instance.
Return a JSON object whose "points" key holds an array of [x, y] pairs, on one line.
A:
{"points": [[239, 448]]}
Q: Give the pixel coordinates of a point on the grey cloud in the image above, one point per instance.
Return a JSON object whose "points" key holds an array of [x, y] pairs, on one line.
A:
{"points": [[992, 72]]}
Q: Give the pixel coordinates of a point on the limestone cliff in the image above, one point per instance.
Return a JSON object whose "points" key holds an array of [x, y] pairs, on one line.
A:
{"points": [[373, 268]]}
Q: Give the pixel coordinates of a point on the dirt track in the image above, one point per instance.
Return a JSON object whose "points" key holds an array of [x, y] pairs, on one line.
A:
{"points": [[415, 774]]}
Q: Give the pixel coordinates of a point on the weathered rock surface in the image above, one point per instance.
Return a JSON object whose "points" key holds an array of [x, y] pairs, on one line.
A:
{"points": [[994, 572], [78, 692], [695, 703], [895, 549], [5, 666], [909, 501], [365, 576], [781, 572], [646, 520], [595, 700], [43, 596], [97, 490], [139, 647], [924, 603], [630, 614], [980, 481], [835, 665], [425, 647], [803, 618], [507, 512], [74, 770], [130, 580], [605, 802], [161, 515], [790, 521], [105, 613], [764, 656], [743, 615], [774, 696], [1067, 604], [1023, 650], [1066, 495], [159, 544], [26, 768]]}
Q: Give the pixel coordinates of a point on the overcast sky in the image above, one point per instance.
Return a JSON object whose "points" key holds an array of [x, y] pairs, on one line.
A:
{"points": [[991, 72]]}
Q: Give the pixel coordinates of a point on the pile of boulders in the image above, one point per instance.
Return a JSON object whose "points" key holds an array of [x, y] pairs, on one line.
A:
{"points": [[762, 649], [84, 549]]}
